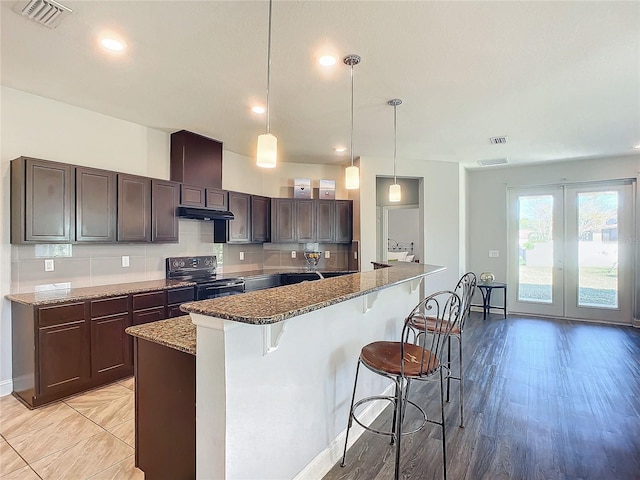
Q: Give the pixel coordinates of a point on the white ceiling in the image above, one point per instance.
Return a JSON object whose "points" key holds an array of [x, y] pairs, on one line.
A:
{"points": [[561, 79]]}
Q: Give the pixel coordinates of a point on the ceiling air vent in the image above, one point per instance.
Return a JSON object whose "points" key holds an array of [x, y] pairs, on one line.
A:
{"points": [[493, 161], [44, 12], [498, 140]]}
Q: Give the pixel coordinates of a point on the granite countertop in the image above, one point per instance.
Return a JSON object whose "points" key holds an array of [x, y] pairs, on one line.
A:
{"points": [[276, 304], [177, 333], [50, 297]]}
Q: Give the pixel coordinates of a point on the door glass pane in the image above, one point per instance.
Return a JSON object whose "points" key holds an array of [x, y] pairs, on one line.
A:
{"points": [[598, 249], [535, 273]]}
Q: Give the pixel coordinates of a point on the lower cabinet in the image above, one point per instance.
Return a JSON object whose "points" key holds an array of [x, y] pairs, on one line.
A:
{"points": [[62, 349]]}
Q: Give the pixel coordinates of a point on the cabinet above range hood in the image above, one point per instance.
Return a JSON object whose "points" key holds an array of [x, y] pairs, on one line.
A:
{"points": [[195, 213]]}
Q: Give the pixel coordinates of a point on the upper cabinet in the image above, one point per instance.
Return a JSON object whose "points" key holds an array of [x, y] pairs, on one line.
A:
{"points": [[239, 230], [302, 220], [134, 208], [260, 219], [196, 160], [165, 199], [95, 205], [41, 201]]}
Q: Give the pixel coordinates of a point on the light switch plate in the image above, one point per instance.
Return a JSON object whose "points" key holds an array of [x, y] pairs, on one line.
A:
{"points": [[327, 254], [355, 255], [125, 261], [241, 255], [494, 253], [49, 266], [293, 254]]}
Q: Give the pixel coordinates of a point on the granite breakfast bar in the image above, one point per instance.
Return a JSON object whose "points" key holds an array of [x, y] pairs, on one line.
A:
{"points": [[274, 369]]}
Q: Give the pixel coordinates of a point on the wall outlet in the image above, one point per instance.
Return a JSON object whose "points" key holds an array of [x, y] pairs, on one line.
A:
{"points": [[125, 261], [293, 254], [494, 253], [327, 254], [241, 255], [49, 266]]}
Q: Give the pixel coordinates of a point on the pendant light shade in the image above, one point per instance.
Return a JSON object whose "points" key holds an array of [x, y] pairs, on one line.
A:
{"points": [[352, 173], [267, 154], [395, 192]]}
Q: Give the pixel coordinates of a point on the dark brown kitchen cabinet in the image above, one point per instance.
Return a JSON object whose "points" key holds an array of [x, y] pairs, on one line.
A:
{"points": [[326, 221], [148, 307], [42, 207], [283, 224], [344, 221], [305, 220], [239, 229], [216, 199], [95, 205], [176, 297], [196, 160], [165, 199], [111, 354], [134, 208], [260, 219], [192, 196]]}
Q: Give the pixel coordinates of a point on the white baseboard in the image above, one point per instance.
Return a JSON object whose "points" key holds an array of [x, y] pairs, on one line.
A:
{"points": [[6, 387], [325, 460]]}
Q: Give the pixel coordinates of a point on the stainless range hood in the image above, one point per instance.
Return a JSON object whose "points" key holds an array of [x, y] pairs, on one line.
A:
{"points": [[203, 214]]}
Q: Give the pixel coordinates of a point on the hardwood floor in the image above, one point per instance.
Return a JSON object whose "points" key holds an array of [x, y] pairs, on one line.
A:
{"points": [[544, 399]]}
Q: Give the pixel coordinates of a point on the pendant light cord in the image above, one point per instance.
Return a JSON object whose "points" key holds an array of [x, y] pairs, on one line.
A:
{"points": [[352, 114], [269, 68], [395, 142]]}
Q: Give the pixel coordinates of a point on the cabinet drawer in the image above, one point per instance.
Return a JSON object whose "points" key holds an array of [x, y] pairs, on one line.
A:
{"points": [[148, 300], [180, 295], [146, 316], [109, 306], [174, 311], [56, 315]]}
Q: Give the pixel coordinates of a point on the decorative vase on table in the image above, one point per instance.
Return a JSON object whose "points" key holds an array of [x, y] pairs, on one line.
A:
{"points": [[487, 277]]}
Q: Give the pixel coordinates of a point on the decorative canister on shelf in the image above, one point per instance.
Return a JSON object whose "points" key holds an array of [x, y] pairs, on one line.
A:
{"points": [[487, 277], [302, 188]]}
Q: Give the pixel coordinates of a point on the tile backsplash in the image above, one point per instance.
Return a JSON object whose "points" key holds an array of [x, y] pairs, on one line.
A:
{"points": [[82, 265]]}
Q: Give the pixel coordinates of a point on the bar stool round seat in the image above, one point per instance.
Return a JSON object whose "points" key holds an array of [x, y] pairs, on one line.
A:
{"points": [[384, 357]]}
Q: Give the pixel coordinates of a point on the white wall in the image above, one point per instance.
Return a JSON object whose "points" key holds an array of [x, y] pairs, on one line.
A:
{"points": [[487, 201], [440, 209]]}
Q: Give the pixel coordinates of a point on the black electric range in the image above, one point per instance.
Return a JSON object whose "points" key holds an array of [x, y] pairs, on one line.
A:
{"points": [[202, 271]]}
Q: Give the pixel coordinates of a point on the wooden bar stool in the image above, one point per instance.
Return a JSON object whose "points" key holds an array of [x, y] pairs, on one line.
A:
{"points": [[465, 289], [405, 361]]}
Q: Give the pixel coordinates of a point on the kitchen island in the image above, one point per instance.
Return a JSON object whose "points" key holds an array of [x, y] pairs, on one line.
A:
{"points": [[274, 369]]}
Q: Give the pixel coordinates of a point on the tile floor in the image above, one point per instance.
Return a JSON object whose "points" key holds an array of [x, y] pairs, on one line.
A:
{"points": [[89, 436]]}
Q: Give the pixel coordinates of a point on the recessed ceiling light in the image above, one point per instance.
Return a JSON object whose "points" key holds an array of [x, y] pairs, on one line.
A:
{"points": [[258, 109], [637, 147], [340, 149], [327, 60], [112, 44]]}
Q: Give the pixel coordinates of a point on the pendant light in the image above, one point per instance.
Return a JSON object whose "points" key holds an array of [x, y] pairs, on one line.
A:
{"points": [[267, 154], [352, 173], [395, 192]]}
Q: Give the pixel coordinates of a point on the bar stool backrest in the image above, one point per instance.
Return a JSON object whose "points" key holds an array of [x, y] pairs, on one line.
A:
{"points": [[446, 308], [465, 289]]}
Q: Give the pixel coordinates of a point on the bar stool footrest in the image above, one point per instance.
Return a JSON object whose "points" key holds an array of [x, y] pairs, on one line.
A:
{"points": [[392, 400]]}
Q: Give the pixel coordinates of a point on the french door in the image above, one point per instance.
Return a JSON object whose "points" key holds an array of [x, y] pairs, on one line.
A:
{"points": [[571, 251]]}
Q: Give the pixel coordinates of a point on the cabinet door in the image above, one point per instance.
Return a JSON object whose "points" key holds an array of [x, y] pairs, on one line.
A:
{"points": [[283, 220], [63, 358], [110, 346], [48, 202], [95, 205], [165, 199], [326, 221], [192, 196], [196, 160], [216, 198], [134, 208], [240, 227], [260, 219], [305, 220], [344, 221]]}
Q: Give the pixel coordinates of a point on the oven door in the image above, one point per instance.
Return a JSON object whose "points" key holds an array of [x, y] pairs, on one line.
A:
{"points": [[204, 292]]}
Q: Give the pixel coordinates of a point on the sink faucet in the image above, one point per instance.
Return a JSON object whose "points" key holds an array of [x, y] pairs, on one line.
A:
{"points": [[319, 275]]}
